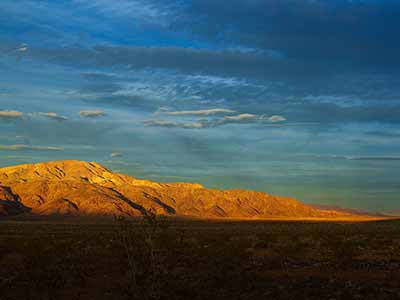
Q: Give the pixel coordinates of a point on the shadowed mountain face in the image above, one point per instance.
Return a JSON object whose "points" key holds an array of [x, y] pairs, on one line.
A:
{"points": [[80, 188]]}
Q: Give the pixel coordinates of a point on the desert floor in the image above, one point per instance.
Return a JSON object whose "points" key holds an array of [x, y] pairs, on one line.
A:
{"points": [[155, 258]]}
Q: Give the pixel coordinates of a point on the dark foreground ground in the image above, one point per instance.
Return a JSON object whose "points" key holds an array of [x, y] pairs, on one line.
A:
{"points": [[180, 259]]}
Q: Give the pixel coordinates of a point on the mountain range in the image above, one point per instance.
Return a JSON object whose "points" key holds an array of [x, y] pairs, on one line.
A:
{"points": [[78, 188]]}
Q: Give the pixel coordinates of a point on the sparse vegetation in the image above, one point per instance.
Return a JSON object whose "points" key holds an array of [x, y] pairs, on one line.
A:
{"points": [[153, 258]]}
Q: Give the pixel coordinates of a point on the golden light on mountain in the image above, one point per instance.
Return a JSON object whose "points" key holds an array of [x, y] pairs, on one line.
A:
{"points": [[86, 188]]}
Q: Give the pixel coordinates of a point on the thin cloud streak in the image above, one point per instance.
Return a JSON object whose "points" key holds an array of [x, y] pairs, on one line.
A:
{"points": [[28, 147], [203, 112], [94, 113], [276, 119], [372, 158], [239, 118], [11, 114], [202, 123], [171, 124], [52, 115]]}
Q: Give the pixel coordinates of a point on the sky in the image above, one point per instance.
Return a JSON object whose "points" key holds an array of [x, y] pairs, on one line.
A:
{"points": [[298, 98]]}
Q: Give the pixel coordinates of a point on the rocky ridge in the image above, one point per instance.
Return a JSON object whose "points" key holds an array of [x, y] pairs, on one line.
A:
{"points": [[80, 188]]}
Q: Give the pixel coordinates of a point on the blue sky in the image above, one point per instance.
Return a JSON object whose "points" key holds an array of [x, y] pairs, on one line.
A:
{"points": [[294, 97]]}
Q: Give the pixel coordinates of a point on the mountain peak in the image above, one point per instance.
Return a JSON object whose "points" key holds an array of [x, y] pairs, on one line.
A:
{"points": [[71, 187], [60, 164], [53, 170]]}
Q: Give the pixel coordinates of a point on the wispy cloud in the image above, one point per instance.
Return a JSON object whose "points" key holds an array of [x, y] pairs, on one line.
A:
{"points": [[239, 118], [388, 158], [166, 123], [22, 48], [202, 123], [204, 62], [276, 119], [92, 113], [144, 11], [28, 147], [52, 115], [202, 112], [116, 154], [251, 118]]}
